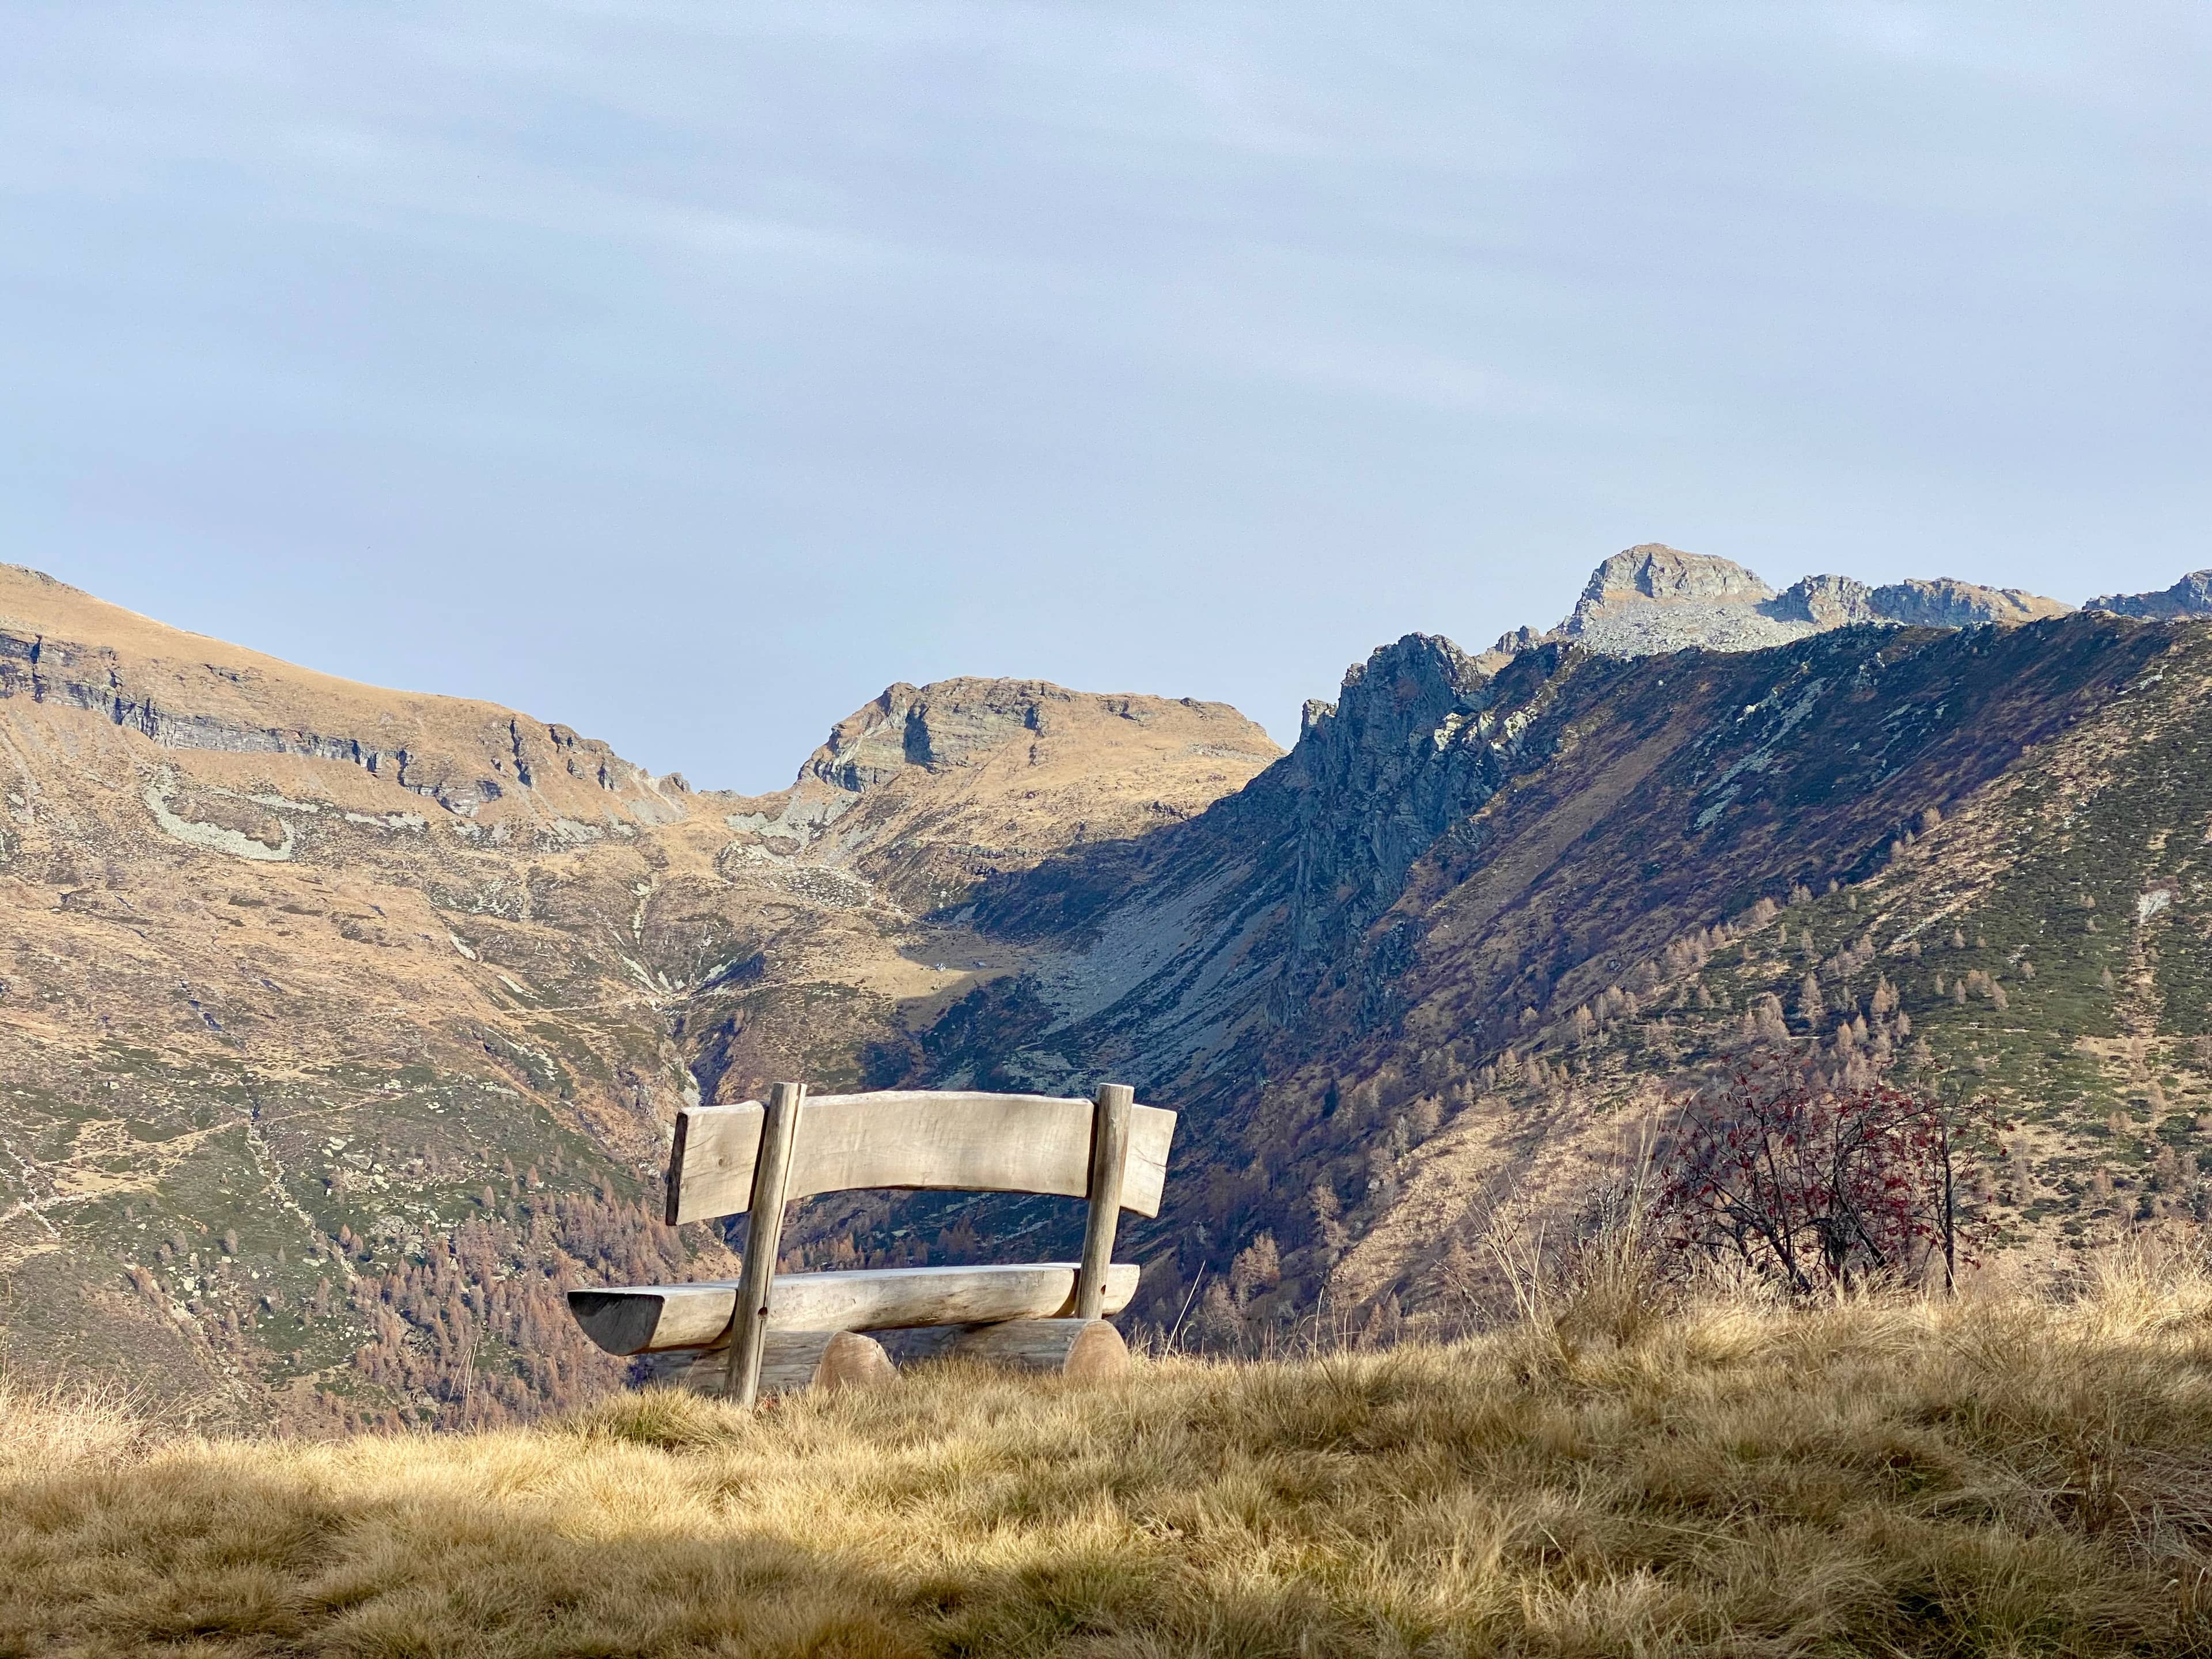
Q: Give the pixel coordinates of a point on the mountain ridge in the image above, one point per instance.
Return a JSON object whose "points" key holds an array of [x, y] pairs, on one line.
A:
{"points": [[346, 1027], [2190, 597], [1652, 598]]}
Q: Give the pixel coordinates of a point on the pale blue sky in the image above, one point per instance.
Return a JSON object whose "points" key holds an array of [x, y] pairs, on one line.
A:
{"points": [[689, 372]]}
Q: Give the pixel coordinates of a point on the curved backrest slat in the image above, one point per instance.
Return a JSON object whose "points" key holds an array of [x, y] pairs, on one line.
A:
{"points": [[912, 1137]]}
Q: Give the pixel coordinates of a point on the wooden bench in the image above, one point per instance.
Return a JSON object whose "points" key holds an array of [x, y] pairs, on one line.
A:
{"points": [[761, 1333]]}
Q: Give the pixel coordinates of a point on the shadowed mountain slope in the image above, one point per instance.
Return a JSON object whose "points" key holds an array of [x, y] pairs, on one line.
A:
{"points": [[1442, 957]]}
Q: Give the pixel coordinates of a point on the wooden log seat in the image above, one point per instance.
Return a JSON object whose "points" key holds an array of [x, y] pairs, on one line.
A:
{"points": [[631, 1319], [1079, 1350], [765, 1333], [790, 1361]]}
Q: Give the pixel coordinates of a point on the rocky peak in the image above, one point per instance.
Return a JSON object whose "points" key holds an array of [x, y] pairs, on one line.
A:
{"points": [[959, 724], [925, 789], [1653, 599], [946, 724], [2190, 597], [1654, 571]]}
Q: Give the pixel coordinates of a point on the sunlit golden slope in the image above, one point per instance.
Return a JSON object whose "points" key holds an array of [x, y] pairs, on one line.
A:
{"points": [[344, 1026]]}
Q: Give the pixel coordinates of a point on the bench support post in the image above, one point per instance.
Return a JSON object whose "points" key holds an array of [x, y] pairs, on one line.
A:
{"points": [[771, 1179], [1110, 1156]]}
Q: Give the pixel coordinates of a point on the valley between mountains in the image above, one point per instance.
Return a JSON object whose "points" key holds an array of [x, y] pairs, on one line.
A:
{"points": [[344, 1028]]}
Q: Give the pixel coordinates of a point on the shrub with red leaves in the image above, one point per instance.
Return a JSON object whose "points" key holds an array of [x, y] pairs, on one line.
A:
{"points": [[1817, 1186]]}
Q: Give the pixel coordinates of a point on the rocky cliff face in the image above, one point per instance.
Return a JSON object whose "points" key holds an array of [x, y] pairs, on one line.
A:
{"points": [[62, 647], [2191, 597], [1162, 957], [1652, 599]]}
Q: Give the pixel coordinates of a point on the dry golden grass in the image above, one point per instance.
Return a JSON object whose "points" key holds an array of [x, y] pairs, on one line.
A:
{"points": [[1997, 1475]]}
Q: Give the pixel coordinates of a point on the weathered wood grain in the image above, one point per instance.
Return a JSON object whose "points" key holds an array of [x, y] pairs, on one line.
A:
{"points": [[729, 1160], [771, 1188], [631, 1319], [790, 1361], [917, 1139], [1081, 1350], [1109, 1155], [710, 1164], [842, 1359]]}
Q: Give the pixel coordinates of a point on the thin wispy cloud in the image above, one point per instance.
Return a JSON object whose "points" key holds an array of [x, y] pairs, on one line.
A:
{"points": [[1184, 348]]}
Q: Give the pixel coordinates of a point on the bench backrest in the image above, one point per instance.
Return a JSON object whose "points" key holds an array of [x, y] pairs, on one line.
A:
{"points": [[912, 1137]]}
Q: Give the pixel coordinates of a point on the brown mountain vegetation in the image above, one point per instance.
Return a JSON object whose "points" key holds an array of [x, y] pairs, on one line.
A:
{"points": [[1454, 957], [345, 1028]]}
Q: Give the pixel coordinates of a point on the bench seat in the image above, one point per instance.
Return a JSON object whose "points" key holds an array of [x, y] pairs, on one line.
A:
{"points": [[633, 1319]]}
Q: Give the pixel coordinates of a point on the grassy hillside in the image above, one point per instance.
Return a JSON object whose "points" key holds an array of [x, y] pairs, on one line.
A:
{"points": [[1996, 1475], [345, 1028]]}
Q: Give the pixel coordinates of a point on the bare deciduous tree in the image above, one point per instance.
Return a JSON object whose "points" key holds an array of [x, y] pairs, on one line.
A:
{"points": [[1820, 1186]]}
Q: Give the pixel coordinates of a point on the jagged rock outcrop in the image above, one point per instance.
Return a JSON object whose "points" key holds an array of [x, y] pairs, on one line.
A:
{"points": [[1511, 644], [1419, 740], [1824, 602], [1945, 602], [1653, 599], [2191, 597]]}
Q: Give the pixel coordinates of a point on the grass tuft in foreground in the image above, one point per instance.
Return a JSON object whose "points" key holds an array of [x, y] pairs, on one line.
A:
{"points": [[1997, 1475]]}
